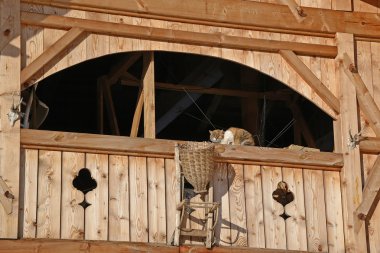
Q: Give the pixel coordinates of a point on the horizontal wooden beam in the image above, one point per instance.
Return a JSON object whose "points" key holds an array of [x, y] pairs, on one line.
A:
{"points": [[79, 142], [177, 36], [317, 86], [370, 145], [77, 246], [48, 55], [274, 95], [234, 13]]}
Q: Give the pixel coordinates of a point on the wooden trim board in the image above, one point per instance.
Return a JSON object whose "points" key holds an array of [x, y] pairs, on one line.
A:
{"points": [[50, 140]]}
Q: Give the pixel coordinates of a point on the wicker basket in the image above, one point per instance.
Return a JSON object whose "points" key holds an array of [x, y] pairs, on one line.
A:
{"points": [[197, 162]]}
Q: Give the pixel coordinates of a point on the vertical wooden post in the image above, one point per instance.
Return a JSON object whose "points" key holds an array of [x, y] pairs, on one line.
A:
{"points": [[250, 106], [149, 101], [10, 67], [351, 182]]}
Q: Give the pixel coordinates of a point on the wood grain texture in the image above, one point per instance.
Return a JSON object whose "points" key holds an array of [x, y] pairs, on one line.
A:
{"points": [[30, 194], [170, 196], [334, 213], [149, 97], [119, 217], [49, 194], [275, 235], [351, 183], [96, 215], [238, 14], [164, 148], [10, 63], [254, 206], [138, 199], [72, 214], [315, 211], [156, 200], [220, 185], [296, 234], [237, 205]]}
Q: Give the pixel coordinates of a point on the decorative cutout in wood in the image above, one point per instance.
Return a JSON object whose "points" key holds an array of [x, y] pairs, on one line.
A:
{"points": [[283, 196], [84, 183]]}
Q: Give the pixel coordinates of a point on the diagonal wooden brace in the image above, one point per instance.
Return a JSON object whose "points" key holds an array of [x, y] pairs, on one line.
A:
{"points": [[6, 196]]}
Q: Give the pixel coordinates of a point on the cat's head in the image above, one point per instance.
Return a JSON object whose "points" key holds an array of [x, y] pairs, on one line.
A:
{"points": [[216, 135]]}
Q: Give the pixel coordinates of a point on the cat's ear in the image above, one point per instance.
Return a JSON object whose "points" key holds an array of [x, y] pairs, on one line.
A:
{"points": [[210, 131]]}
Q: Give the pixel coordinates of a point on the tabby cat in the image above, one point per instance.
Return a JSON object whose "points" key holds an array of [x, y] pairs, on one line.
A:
{"points": [[233, 135]]}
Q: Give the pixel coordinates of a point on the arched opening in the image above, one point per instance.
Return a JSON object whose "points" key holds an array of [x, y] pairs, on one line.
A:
{"points": [[194, 94]]}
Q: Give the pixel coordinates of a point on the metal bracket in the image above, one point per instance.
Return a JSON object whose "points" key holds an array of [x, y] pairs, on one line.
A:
{"points": [[6, 196]]}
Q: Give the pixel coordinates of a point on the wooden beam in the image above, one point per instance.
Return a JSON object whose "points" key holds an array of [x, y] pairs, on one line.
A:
{"points": [[78, 142], [366, 102], [371, 194], [60, 246], [177, 36], [326, 95], [7, 31], [121, 67], [241, 14], [137, 114], [48, 55], [112, 118], [370, 145], [351, 174], [272, 95], [149, 97], [295, 9], [10, 63]]}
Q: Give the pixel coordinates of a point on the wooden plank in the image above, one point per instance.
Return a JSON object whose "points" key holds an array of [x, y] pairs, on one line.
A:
{"points": [[275, 236], [72, 214], [370, 145], [45, 246], [235, 14], [170, 196], [254, 206], [366, 101], [48, 55], [334, 212], [186, 37], [30, 194], [342, 5], [51, 36], [149, 97], [10, 63], [237, 206], [374, 231], [96, 215], [138, 199], [119, 217], [220, 185], [315, 211], [49, 194], [60, 246], [165, 148], [156, 200], [97, 45], [317, 86], [351, 183], [32, 37], [295, 9], [77, 52], [296, 234]]}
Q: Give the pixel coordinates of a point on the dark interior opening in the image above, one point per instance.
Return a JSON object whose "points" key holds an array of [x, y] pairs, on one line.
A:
{"points": [[275, 114]]}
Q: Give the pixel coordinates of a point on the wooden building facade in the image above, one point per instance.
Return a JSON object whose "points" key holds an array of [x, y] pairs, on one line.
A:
{"points": [[326, 50]]}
